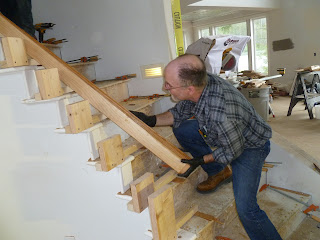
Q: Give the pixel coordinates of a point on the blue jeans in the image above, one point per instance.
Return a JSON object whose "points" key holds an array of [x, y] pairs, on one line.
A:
{"points": [[19, 12], [246, 173]]}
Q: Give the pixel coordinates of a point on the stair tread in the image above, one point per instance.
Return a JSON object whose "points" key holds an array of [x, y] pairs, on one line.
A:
{"points": [[71, 94], [306, 230], [280, 209], [215, 203]]}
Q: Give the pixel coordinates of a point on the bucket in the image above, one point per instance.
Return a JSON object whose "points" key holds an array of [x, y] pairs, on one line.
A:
{"points": [[317, 111], [259, 98]]}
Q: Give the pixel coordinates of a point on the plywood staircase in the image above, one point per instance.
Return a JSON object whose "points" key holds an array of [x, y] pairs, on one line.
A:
{"points": [[147, 159]]}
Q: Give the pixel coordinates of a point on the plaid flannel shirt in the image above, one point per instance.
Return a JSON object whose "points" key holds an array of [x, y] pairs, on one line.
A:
{"points": [[227, 121]]}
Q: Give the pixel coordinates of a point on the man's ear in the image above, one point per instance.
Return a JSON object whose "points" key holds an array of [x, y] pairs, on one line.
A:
{"points": [[191, 89]]}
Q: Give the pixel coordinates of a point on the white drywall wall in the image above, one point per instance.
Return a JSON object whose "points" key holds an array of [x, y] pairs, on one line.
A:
{"points": [[125, 34], [299, 21], [47, 189]]}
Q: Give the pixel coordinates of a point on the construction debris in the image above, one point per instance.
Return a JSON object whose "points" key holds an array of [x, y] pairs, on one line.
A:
{"points": [[309, 69], [251, 74]]}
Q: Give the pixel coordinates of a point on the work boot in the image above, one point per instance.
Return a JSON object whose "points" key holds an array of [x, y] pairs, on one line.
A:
{"points": [[215, 181]]}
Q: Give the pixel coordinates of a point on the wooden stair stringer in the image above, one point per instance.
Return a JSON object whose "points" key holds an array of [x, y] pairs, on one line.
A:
{"points": [[98, 99]]}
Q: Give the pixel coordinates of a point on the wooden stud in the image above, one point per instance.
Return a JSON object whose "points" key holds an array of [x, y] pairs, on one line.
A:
{"points": [[162, 215], [102, 102], [111, 152], [14, 52], [141, 188], [49, 83], [79, 115]]}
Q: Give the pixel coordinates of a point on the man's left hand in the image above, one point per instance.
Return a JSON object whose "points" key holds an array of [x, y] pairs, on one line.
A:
{"points": [[194, 163]]}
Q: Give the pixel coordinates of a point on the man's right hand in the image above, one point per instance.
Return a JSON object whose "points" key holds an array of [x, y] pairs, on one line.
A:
{"points": [[149, 120]]}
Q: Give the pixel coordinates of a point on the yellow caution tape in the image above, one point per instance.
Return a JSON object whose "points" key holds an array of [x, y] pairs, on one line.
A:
{"points": [[177, 22]]}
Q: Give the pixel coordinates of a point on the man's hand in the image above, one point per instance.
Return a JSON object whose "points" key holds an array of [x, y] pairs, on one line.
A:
{"points": [[194, 163], [149, 120]]}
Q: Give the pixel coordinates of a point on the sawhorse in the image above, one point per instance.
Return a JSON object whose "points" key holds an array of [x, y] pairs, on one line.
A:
{"points": [[310, 94]]}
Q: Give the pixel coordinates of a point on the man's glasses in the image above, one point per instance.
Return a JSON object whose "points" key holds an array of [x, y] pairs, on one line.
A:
{"points": [[167, 86]]}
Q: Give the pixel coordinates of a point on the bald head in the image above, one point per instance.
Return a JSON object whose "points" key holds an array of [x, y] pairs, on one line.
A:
{"points": [[189, 69]]}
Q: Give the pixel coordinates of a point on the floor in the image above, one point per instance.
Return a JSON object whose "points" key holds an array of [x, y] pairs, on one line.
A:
{"points": [[303, 135], [297, 129]]}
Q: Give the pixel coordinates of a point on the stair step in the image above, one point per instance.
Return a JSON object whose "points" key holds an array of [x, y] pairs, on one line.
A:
{"points": [[283, 212], [87, 69], [309, 229]]}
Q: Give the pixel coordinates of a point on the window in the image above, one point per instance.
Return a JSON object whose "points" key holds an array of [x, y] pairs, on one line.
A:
{"points": [[205, 32], [236, 29], [255, 54], [260, 45]]}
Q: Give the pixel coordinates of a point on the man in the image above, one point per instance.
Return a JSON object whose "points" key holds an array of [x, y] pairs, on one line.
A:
{"points": [[218, 126], [19, 12]]}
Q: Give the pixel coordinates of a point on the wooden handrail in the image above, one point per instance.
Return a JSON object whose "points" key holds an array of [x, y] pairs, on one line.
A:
{"points": [[166, 151]]}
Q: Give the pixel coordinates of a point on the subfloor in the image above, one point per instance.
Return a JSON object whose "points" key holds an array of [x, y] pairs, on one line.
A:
{"points": [[304, 134], [298, 129]]}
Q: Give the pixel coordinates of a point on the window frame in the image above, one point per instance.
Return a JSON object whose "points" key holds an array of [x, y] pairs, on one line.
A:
{"points": [[250, 32]]}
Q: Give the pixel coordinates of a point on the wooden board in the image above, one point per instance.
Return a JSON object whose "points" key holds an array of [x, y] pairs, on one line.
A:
{"points": [[15, 52], [185, 216], [79, 115], [49, 83], [165, 179], [208, 217], [111, 152], [162, 215], [141, 188], [206, 233], [98, 99]]}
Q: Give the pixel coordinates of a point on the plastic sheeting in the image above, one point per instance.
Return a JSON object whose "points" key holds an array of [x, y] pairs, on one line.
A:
{"points": [[219, 52]]}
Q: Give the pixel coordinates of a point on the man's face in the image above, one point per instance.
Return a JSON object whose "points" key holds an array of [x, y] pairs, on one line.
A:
{"points": [[172, 84]]}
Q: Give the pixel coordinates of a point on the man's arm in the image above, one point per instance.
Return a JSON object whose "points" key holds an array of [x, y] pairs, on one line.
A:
{"points": [[164, 119]]}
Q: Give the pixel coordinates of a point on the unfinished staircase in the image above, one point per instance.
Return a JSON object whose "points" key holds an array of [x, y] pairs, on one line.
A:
{"points": [[147, 160]]}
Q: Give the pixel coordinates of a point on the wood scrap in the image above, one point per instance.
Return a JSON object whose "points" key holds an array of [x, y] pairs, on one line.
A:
{"points": [[252, 74], [208, 217], [309, 69]]}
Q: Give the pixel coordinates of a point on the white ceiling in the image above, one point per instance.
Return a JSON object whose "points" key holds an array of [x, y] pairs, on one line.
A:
{"points": [[218, 8]]}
